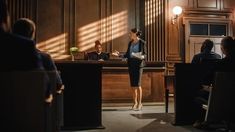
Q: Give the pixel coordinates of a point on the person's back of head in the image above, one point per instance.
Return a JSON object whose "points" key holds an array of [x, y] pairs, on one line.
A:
{"points": [[4, 16], [24, 27], [207, 45], [228, 46]]}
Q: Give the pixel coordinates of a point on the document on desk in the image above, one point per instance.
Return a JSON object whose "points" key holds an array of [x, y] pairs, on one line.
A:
{"points": [[138, 55]]}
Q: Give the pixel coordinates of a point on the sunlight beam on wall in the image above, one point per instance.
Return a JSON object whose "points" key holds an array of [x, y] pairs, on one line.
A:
{"points": [[56, 46], [105, 30], [151, 11]]}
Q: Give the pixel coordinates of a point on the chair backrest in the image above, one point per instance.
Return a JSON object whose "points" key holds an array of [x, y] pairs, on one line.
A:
{"points": [[188, 80], [22, 100], [222, 98]]}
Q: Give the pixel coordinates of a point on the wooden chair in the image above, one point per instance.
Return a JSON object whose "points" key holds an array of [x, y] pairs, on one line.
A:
{"points": [[221, 99], [188, 78]]}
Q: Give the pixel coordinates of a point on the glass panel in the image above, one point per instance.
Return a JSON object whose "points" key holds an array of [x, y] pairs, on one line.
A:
{"points": [[198, 29], [218, 30]]}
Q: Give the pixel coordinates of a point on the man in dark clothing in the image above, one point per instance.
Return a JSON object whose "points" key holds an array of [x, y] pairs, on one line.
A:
{"points": [[17, 53], [228, 48], [226, 64], [206, 54], [26, 28]]}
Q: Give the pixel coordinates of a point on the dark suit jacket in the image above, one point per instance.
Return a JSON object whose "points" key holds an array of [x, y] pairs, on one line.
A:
{"points": [[205, 56], [94, 56], [226, 64], [17, 53], [49, 65], [141, 49]]}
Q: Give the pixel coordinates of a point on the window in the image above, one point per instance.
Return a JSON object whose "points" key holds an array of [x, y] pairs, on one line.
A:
{"points": [[218, 30], [209, 29], [199, 29]]}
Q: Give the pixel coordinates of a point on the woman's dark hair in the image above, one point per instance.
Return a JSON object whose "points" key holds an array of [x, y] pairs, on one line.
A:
{"points": [[136, 31], [97, 42]]}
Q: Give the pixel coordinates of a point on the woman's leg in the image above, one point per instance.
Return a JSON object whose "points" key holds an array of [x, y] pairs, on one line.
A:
{"points": [[140, 98], [140, 94], [135, 97]]}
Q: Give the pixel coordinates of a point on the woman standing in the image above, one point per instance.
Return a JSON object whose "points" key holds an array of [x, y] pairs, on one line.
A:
{"points": [[135, 54]]}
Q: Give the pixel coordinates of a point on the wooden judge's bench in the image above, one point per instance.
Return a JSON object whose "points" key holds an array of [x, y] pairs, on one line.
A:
{"points": [[89, 83], [116, 82]]}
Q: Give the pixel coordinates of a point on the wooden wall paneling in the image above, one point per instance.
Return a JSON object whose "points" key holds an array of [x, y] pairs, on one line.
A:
{"points": [[116, 86], [22, 8], [175, 34], [51, 35], [157, 86], [72, 23], [105, 10], [166, 7], [87, 23], [227, 5], [106, 20], [50, 19], [67, 16], [190, 4], [210, 5], [207, 4], [232, 2], [125, 17], [155, 29]]}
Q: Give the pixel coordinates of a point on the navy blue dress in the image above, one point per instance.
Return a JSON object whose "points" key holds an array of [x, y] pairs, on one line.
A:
{"points": [[136, 65]]}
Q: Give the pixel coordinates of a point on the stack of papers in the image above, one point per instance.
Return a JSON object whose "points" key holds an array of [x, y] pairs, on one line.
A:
{"points": [[138, 55]]}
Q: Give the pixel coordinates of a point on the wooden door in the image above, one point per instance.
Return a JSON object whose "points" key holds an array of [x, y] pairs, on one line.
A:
{"points": [[198, 30], [196, 42]]}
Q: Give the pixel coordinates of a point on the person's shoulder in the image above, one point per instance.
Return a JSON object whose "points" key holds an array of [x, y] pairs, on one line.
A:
{"points": [[44, 54], [198, 55], [17, 39], [91, 53], [105, 53], [214, 53], [218, 55], [20, 38], [225, 64], [227, 60], [196, 58]]}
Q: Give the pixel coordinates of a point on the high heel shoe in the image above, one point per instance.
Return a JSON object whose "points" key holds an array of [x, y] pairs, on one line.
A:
{"points": [[139, 107], [134, 107]]}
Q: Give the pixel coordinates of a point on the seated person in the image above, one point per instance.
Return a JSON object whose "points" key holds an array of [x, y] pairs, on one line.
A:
{"points": [[26, 28], [206, 55], [225, 64], [13, 45], [98, 54]]}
